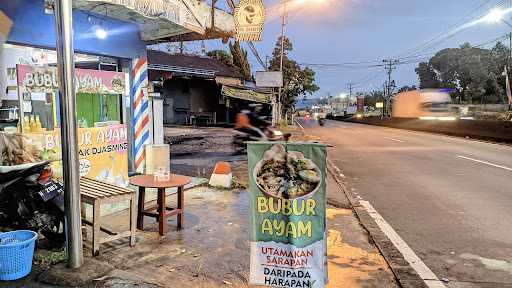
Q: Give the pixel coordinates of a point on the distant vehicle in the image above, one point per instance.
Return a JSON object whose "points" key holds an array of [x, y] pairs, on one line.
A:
{"points": [[351, 110], [319, 113], [302, 113], [427, 104]]}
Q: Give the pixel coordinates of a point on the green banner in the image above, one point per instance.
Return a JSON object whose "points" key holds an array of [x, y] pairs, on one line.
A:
{"points": [[287, 185]]}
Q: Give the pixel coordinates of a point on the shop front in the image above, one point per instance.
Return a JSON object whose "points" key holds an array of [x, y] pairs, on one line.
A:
{"points": [[116, 30], [104, 99], [103, 138], [198, 90]]}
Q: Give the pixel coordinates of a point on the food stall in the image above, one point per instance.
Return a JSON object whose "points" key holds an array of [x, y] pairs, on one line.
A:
{"points": [[103, 138]]}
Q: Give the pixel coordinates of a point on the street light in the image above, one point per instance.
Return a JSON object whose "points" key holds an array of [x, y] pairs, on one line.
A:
{"points": [[496, 16], [100, 32]]}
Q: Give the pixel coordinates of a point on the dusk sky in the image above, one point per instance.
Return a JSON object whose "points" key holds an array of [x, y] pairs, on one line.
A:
{"points": [[340, 31]]}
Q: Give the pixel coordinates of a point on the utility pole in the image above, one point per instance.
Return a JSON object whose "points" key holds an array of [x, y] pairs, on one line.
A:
{"points": [[69, 137], [390, 65], [350, 86]]}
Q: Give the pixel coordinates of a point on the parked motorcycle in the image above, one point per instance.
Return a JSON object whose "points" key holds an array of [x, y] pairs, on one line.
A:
{"points": [[32, 200]]}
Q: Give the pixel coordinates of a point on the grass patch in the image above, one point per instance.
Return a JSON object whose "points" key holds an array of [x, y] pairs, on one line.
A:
{"points": [[45, 259], [238, 184]]}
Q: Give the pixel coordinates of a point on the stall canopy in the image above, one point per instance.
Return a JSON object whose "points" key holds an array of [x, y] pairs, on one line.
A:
{"points": [[162, 20], [246, 94]]}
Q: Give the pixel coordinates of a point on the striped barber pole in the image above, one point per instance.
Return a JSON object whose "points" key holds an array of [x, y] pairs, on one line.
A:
{"points": [[140, 104]]}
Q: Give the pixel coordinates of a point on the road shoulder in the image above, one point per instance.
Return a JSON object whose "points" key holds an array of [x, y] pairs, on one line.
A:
{"points": [[402, 270]]}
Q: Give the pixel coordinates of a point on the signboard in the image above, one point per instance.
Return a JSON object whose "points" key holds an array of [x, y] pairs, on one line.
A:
{"points": [[360, 104], [379, 105], [160, 19], [244, 94], [44, 79], [103, 152], [288, 242], [270, 79], [249, 20]]}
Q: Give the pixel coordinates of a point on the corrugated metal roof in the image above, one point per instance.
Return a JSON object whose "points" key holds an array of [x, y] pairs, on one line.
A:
{"points": [[159, 60]]}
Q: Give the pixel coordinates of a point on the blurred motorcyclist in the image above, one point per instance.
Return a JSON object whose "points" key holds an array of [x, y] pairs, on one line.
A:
{"points": [[249, 121]]}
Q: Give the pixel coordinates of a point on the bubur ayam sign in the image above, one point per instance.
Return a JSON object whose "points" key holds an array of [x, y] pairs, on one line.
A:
{"points": [[44, 79], [249, 20], [288, 210]]}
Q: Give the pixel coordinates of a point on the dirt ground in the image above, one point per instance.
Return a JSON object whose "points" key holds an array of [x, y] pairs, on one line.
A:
{"points": [[194, 151], [212, 249]]}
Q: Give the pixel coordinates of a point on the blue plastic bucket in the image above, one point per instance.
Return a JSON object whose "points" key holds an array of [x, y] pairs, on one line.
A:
{"points": [[16, 253]]}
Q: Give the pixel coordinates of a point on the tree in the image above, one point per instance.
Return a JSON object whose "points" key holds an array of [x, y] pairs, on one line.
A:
{"points": [[240, 60], [297, 81], [407, 88], [427, 75], [473, 73], [373, 97], [221, 56]]}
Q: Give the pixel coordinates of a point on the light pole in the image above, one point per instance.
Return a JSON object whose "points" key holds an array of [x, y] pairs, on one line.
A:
{"points": [[283, 24]]}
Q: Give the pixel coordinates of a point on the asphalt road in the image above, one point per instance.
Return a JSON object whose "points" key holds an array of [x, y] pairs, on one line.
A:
{"points": [[449, 198]]}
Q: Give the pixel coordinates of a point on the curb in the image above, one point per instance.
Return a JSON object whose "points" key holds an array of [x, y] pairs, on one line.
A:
{"points": [[405, 274]]}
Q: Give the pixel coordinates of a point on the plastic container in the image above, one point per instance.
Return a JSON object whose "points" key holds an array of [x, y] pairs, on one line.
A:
{"points": [[16, 253]]}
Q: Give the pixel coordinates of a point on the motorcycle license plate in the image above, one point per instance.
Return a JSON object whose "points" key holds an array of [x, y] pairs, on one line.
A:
{"points": [[50, 190]]}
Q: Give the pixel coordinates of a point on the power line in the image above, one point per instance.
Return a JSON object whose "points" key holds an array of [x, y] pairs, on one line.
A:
{"points": [[402, 61], [454, 32], [368, 78], [351, 65], [256, 55], [449, 30]]}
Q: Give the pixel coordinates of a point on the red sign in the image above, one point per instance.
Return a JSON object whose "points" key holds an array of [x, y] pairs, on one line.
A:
{"points": [[360, 104]]}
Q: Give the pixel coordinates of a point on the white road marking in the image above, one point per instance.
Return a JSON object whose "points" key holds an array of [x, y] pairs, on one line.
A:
{"points": [[423, 271], [301, 127], [393, 139], [487, 163]]}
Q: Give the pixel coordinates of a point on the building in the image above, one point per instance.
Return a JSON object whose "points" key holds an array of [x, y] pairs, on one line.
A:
{"points": [[198, 90], [119, 30]]}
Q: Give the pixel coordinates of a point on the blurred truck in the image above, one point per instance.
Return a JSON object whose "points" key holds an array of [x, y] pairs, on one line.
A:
{"points": [[428, 104]]}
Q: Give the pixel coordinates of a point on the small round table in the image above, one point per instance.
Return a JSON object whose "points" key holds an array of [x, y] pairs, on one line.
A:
{"points": [[161, 214]]}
